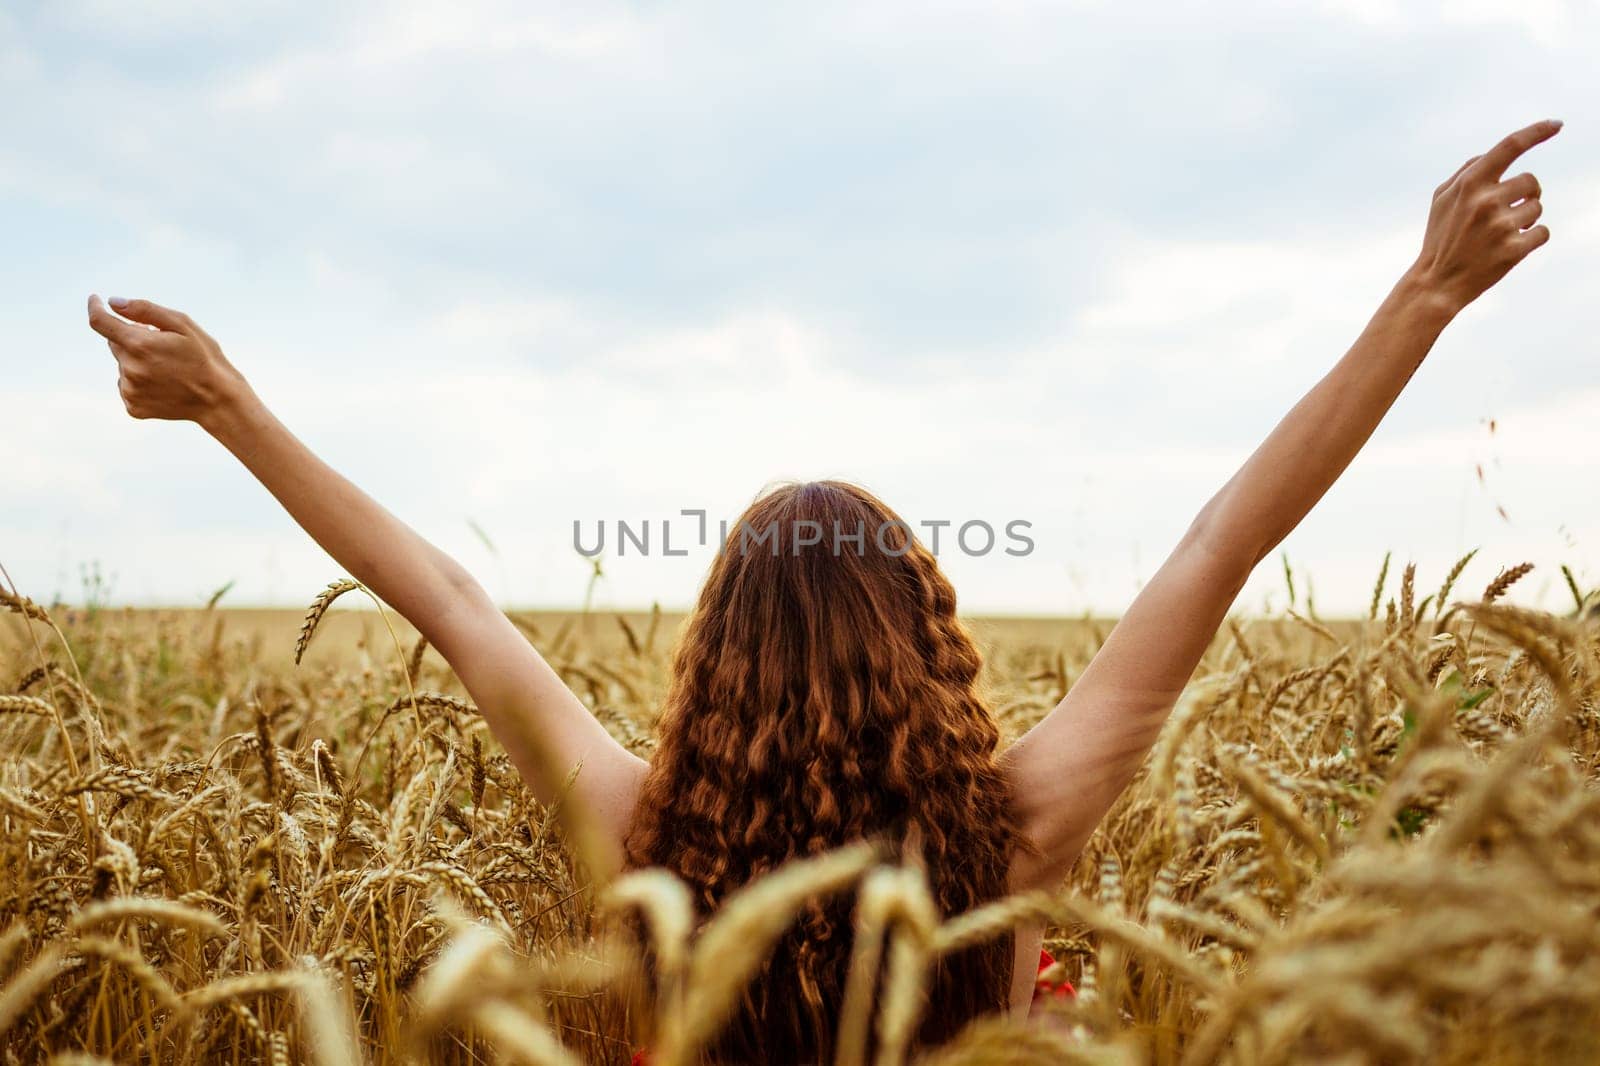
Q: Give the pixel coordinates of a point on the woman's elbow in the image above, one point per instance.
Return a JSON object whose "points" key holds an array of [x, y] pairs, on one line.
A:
{"points": [[1225, 550]]}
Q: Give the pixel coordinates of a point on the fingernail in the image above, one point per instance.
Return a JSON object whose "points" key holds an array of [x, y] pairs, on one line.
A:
{"points": [[117, 301], [1557, 123]]}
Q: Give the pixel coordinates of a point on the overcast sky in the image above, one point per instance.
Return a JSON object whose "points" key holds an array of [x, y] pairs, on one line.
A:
{"points": [[511, 266]]}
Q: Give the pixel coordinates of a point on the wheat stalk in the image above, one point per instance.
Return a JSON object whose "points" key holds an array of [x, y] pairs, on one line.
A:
{"points": [[1382, 854], [318, 608]]}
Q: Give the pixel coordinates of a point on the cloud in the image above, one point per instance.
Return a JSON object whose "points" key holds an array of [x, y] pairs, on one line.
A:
{"points": [[525, 263], [1552, 24]]}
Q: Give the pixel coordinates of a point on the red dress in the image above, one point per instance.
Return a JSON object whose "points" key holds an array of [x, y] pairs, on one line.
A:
{"points": [[1042, 989]]}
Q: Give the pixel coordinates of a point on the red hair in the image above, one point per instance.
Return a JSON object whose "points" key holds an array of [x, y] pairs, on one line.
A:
{"points": [[824, 691]]}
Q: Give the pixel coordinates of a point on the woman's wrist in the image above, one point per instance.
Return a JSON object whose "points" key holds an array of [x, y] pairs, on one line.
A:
{"points": [[1422, 294], [232, 412]]}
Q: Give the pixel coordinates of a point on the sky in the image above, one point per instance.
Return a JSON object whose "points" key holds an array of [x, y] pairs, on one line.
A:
{"points": [[515, 266]]}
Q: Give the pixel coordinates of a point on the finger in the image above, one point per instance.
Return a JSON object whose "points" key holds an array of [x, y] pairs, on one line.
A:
{"points": [[125, 391], [109, 326], [152, 314], [1459, 171], [1527, 213], [1497, 159], [1533, 238], [1521, 187]]}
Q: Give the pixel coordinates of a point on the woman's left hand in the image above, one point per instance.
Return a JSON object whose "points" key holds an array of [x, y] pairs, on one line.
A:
{"points": [[168, 367], [1480, 226]]}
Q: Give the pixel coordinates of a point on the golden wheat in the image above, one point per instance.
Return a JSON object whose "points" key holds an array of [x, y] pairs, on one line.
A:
{"points": [[1354, 842], [318, 608]]}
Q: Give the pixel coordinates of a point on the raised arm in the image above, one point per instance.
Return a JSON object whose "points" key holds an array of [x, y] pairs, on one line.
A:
{"points": [[171, 369], [1070, 768]]}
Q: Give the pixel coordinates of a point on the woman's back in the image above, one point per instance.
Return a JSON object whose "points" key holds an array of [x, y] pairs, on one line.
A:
{"points": [[825, 692]]}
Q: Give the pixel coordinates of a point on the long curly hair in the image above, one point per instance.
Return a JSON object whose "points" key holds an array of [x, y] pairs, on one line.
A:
{"points": [[824, 692]]}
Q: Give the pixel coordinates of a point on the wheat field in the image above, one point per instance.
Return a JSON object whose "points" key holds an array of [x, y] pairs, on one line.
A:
{"points": [[1365, 841]]}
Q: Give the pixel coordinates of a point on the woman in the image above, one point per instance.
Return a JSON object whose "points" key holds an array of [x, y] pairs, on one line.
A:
{"points": [[822, 695]]}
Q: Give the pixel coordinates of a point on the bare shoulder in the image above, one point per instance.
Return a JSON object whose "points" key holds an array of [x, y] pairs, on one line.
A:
{"points": [[613, 787], [620, 795], [1035, 865]]}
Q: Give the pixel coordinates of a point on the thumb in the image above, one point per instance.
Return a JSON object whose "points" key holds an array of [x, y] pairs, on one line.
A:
{"points": [[152, 314]]}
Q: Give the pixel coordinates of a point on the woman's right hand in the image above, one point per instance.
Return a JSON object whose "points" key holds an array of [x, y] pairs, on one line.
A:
{"points": [[168, 367], [1479, 226]]}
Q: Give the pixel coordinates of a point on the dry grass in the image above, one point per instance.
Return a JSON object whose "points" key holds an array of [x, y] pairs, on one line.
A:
{"points": [[1373, 842]]}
